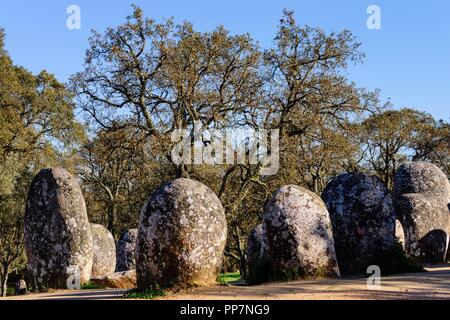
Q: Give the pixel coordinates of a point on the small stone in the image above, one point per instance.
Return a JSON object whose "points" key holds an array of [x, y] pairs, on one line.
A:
{"points": [[104, 262], [21, 287], [126, 247], [257, 256], [254, 244], [118, 280], [400, 233]]}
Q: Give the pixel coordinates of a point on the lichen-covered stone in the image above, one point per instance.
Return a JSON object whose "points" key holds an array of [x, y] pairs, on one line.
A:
{"points": [[299, 235], [422, 177], [363, 217], [57, 233], [104, 249], [422, 194], [181, 237], [126, 247], [425, 221]]}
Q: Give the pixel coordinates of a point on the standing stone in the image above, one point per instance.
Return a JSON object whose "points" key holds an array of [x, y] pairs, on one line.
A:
{"points": [[257, 256], [21, 287], [400, 233], [422, 194], [299, 235], [181, 237], [422, 177], [58, 238], [104, 248], [126, 247], [363, 217], [255, 244]]}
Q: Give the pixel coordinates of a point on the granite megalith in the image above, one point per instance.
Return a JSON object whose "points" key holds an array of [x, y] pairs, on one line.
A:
{"points": [[126, 247], [363, 217], [299, 235], [422, 197], [255, 244], [58, 238], [104, 251], [258, 264], [181, 236]]}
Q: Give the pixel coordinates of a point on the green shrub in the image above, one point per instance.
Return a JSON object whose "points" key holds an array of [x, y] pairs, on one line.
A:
{"points": [[226, 278], [146, 294], [91, 286], [10, 291]]}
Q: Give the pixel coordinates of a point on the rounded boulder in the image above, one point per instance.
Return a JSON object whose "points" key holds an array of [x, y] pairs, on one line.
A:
{"points": [[422, 177], [426, 223], [299, 235], [181, 236], [104, 249], [422, 198]]}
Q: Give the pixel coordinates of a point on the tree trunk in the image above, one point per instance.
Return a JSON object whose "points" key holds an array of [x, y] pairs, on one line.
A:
{"points": [[241, 252], [112, 219], [4, 281]]}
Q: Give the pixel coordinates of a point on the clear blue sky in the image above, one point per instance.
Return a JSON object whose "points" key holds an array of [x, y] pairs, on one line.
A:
{"points": [[408, 59]]}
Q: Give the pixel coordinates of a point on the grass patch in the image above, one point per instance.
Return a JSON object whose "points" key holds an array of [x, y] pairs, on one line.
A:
{"points": [[91, 286], [226, 278], [148, 294], [10, 291]]}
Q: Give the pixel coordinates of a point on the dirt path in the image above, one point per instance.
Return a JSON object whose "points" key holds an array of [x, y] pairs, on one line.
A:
{"points": [[430, 285], [434, 284], [101, 294]]}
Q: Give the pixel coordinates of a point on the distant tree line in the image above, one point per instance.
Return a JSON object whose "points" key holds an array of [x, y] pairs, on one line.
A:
{"points": [[111, 124]]}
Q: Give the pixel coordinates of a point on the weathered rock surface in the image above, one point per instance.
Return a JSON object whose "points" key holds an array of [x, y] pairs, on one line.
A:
{"points": [[299, 235], [255, 245], [422, 177], [363, 218], [422, 194], [57, 233], [426, 221], [104, 249], [400, 233], [119, 280], [126, 247], [20, 287], [257, 256], [181, 237]]}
